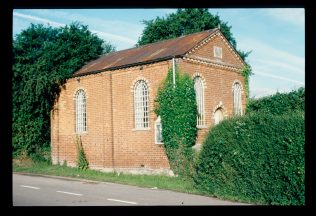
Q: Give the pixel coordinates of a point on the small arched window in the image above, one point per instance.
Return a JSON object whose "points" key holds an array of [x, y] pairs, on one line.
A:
{"points": [[218, 116], [141, 105], [158, 131], [81, 114], [237, 99], [199, 93]]}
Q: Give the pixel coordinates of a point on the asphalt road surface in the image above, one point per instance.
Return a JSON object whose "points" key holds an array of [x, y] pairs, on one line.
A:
{"points": [[30, 190]]}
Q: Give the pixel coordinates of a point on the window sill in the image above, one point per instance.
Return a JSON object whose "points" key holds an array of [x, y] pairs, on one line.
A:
{"points": [[81, 133], [158, 143], [201, 127], [140, 129]]}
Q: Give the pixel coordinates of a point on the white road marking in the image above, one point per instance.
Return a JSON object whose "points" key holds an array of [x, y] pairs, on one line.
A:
{"points": [[26, 186], [65, 192], [116, 200]]}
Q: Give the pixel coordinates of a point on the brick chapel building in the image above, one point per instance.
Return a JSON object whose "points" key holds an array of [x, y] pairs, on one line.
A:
{"points": [[109, 102]]}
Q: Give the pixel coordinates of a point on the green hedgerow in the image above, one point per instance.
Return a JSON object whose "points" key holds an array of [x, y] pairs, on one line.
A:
{"points": [[258, 157], [279, 103]]}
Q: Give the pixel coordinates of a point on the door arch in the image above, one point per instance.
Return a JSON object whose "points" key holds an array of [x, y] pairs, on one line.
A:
{"points": [[218, 116]]}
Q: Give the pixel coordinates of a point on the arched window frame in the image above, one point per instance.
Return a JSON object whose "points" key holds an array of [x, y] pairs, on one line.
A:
{"points": [[199, 87], [220, 106], [81, 111], [237, 98], [141, 105], [222, 113]]}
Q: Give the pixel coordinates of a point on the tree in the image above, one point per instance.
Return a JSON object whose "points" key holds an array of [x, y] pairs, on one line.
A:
{"points": [[43, 57], [108, 48], [183, 22], [178, 111]]}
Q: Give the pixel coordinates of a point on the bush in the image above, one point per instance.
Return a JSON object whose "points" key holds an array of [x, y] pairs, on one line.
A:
{"points": [[82, 161], [177, 110], [279, 103], [258, 158]]}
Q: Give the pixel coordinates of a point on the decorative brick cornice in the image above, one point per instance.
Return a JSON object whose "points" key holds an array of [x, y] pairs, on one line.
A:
{"points": [[214, 64]]}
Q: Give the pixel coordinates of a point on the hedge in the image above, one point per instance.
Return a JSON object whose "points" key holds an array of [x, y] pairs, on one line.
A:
{"points": [[279, 103], [256, 158]]}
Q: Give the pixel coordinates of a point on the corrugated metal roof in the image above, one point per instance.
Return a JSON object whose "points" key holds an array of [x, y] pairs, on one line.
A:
{"points": [[148, 53]]}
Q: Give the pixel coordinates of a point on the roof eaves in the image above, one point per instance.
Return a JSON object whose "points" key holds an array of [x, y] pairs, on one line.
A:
{"points": [[127, 65]]}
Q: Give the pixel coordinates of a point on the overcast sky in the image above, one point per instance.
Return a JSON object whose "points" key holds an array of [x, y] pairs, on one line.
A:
{"points": [[276, 37]]}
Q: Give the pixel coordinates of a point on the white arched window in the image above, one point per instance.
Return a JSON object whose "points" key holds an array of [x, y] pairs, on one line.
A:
{"points": [[141, 105], [218, 116], [199, 93], [158, 131], [237, 99], [81, 114]]}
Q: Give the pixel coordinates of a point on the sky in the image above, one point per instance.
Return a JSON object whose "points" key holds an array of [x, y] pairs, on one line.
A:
{"points": [[275, 37]]}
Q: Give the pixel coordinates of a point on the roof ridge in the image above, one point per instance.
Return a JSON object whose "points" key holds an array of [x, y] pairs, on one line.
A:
{"points": [[161, 41], [176, 38]]}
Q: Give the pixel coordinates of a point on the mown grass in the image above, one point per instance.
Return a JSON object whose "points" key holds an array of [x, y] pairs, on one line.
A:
{"points": [[161, 182]]}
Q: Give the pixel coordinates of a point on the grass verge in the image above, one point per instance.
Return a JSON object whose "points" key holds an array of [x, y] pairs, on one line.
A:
{"points": [[161, 182]]}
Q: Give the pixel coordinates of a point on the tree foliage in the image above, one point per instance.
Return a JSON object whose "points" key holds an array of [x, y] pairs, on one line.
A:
{"points": [[178, 110], [108, 48], [43, 57], [183, 22]]}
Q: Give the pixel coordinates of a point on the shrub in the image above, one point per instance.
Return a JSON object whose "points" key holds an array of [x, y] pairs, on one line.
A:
{"points": [[82, 161], [177, 110], [258, 157], [279, 103]]}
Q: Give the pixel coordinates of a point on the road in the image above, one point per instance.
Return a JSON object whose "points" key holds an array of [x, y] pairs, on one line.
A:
{"points": [[30, 190]]}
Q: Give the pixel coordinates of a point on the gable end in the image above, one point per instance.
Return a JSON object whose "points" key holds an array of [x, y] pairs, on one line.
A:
{"points": [[195, 52]]}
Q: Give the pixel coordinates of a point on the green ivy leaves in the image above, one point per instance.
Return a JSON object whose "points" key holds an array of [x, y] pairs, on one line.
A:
{"points": [[177, 109]]}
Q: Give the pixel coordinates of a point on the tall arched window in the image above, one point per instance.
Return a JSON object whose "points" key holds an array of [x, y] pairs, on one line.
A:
{"points": [[141, 105], [237, 99], [199, 92], [81, 114]]}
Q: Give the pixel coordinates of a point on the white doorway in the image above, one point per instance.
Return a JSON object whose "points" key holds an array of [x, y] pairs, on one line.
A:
{"points": [[218, 116]]}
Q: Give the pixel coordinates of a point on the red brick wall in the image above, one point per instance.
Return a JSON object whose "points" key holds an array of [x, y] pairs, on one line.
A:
{"points": [[132, 148], [218, 80], [97, 141], [218, 91]]}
